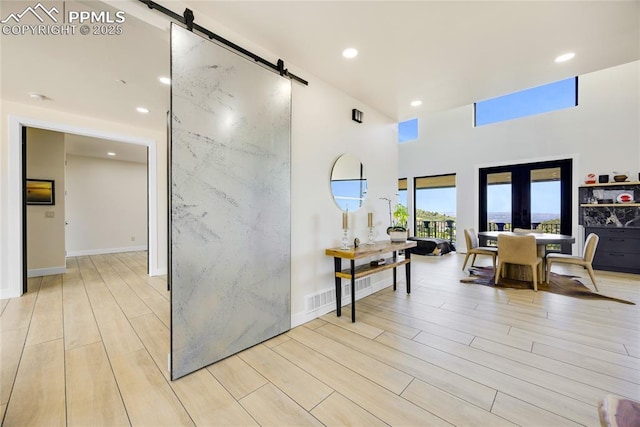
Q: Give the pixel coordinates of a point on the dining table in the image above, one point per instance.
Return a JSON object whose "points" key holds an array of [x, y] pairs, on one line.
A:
{"points": [[519, 272]]}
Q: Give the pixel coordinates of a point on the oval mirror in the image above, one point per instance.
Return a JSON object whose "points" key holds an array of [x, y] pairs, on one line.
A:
{"points": [[348, 183]]}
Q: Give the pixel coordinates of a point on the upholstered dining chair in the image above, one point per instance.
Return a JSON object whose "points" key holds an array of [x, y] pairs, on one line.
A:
{"points": [[471, 238], [590, 245], [521, 250]]}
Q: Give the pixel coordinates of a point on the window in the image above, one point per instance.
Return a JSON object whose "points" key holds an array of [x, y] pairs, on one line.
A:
{"points": [[408, 130], [435, 206], [541, 99], [402, 191]]}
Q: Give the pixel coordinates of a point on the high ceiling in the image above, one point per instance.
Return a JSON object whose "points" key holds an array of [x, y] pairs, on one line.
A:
{"points": [[447, 54]]}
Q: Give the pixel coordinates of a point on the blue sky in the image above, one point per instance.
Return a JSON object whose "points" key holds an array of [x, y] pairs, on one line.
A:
{"points": [[436, 199], [545, 198], [540, 99], [408, 130]]}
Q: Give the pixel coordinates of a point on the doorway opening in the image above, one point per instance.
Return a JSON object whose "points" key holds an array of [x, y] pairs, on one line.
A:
{"points": [[15, 262], [533, 196]]}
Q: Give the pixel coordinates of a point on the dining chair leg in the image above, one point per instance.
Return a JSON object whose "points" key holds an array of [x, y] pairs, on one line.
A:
{"points": [[466, 258], [497, 273], [534, 272], [592, 275]]}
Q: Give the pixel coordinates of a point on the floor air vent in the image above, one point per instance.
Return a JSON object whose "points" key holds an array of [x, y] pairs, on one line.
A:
{"points": [[328, 297], [361, 285]]}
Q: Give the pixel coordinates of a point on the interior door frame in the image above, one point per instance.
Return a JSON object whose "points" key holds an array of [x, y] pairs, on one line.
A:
{"points": [[14, 263], [521, 192]]}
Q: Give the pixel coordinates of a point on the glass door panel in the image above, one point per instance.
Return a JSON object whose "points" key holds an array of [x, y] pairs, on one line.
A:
{"points": [[545, 200], [499, 201]]}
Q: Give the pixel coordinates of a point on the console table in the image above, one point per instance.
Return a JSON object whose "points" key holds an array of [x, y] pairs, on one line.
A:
{"points": [[356, 272]]}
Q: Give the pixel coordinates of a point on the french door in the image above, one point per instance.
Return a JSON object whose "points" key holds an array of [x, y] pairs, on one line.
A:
{"points": [[531, 196]]}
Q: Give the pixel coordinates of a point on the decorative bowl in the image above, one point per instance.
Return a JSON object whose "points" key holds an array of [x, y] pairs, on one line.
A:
{"points": [[620, 178], [624, 198]]}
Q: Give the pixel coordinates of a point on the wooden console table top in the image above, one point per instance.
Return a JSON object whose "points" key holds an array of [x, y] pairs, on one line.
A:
{"points": [[365, 250]]}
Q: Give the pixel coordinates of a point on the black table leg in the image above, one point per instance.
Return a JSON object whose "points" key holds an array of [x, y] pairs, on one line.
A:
{"points": [[337, 264], [353, 291], [407, 267], [394, 270]]}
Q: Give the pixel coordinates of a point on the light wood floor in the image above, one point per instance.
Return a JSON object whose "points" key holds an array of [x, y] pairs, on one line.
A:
{"points": [[90, 348]]}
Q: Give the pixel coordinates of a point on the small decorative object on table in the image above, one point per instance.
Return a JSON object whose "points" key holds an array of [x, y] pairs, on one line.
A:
{"points": [[397, 229], [370, 225], [345, 230]]}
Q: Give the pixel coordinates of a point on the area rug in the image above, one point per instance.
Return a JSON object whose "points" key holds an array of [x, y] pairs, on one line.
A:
{"points": [[558, 284]]}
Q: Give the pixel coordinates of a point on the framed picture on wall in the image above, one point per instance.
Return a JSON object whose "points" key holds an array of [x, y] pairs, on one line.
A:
{"points": [[41, 192]]}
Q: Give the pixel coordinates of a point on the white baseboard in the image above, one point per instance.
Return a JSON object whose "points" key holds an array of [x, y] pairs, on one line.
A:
{"points": [[106, 251], [301, 318], [159, 272], [37, 272]]}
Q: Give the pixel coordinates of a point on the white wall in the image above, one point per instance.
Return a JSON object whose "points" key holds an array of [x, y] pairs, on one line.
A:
{"points": [[601, 134], [45, 234], [322, 130], [106, 206]]}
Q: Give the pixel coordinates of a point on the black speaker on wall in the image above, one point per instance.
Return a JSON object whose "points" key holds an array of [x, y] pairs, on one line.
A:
{"points": [[356, 115]]}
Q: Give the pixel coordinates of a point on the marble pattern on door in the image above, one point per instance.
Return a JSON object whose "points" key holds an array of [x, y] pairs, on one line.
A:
{"points": [[230, 203]]}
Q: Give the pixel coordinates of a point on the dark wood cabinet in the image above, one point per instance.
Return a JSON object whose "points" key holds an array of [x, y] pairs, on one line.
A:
{"points": [[618, 249]]}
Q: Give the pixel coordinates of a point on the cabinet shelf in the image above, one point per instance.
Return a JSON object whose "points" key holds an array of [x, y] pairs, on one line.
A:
{"points": [[367, 269], [609, 205], [610, 184]]}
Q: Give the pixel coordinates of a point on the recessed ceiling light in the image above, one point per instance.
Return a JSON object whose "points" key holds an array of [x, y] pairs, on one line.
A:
{"points": [[142, 110], [165, 80], [350, 53], [111, 153], [416, 103], [565, 57]]}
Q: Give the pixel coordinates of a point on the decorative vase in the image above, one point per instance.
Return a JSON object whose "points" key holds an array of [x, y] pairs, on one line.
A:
{"points": [[397, 234]]}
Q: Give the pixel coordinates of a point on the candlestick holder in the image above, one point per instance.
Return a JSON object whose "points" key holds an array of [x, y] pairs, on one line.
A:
{"points": [[345, 239], [371, 242]]}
